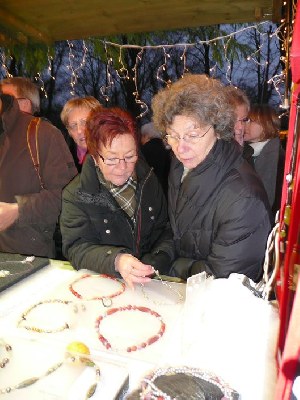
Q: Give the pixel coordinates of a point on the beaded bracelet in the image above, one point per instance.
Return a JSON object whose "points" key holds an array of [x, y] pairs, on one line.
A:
{"points": [[69, 358], [151, 391], [40, 330], [8, 349], [104, 299], [4, 273], [140, 346]]}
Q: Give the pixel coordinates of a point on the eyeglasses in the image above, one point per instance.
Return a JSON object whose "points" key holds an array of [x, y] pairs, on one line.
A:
{"points": [[80, 124], [116, 161], [245, 120], [190, 137]]}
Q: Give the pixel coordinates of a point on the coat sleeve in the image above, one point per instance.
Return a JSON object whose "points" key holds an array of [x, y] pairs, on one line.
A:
{"points": [[238, 244], [57, 168]]}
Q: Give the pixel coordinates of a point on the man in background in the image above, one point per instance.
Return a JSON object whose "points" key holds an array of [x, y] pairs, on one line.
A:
{"points": [[24, 91], [30, 195]]}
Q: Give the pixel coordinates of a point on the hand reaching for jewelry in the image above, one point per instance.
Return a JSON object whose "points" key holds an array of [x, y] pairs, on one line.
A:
{"points": [[133, 270], [9, 213]]}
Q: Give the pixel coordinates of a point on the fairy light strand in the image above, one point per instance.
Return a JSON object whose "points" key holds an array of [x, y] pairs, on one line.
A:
{"points": [[113, 74]]}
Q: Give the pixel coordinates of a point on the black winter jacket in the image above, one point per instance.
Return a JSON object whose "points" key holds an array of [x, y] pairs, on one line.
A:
{"points": [[95, 229], [219, 215]]}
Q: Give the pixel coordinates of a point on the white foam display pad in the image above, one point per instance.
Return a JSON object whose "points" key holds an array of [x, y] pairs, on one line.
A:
{"points": [[31, 358]]}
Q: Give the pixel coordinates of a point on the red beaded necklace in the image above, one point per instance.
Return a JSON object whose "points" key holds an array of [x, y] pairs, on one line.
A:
{"points": [[97, 276], [140, 346]]}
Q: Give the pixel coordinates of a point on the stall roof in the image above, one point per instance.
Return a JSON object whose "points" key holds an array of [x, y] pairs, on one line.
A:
{"points": [[47, 21]]}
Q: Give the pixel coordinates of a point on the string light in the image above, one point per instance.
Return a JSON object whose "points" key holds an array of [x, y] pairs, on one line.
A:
{"points": [[39, 79], [75, 70], [106, 89], [143, 105], [6, 71], [256, 57]]}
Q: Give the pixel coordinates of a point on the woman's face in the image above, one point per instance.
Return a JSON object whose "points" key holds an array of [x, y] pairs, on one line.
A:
{"points": [[253, 132], [76, 125], [122, 148], [199, 140], [241, 112]]}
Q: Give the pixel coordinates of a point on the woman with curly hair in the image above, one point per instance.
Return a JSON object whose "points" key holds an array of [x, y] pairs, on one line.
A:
{"points": [[218, 207]]}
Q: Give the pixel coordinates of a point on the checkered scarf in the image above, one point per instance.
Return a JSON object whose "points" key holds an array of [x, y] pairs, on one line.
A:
{"points": [[124, 195]]}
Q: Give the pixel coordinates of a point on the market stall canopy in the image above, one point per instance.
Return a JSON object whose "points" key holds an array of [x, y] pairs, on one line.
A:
{"points": [[46, 21]]}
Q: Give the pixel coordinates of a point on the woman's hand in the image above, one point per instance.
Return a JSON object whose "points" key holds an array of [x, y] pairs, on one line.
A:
{"points": [[133, 270]]}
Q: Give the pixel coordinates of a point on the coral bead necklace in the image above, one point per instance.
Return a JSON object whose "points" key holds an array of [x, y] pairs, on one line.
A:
{"points": [[133, 308], [105, 298]]}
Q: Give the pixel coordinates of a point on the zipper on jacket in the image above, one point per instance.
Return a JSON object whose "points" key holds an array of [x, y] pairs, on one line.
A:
{"points": [[138, 217]]}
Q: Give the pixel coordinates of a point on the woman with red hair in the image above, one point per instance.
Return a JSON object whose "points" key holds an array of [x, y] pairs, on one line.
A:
{"points": [[114, 216]]}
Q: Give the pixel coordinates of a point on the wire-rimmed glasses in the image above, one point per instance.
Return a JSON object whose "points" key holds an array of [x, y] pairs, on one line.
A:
{"points": [[116, 160], [189, 137]]}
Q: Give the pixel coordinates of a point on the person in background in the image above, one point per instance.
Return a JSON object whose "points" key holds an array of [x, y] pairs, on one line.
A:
{"points": [[262, 134], [218, 208], [28, 209], [241, 105], [74, 116], [156, 153], [114, 215], [25, 91]]}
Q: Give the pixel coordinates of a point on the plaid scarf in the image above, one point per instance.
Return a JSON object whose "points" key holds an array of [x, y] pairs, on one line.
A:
{"points": [[124, 195]]}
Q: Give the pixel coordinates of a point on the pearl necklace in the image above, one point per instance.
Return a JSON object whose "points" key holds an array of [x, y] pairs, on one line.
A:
{"points": [[8, 349], [151, 391], [5, 272], [139, 346], [86, 361], [106, 300], [40, 330]]}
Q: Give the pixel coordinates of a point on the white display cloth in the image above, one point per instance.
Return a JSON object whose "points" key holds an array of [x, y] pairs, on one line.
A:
{"points": [[221, 327], [229, 331]]}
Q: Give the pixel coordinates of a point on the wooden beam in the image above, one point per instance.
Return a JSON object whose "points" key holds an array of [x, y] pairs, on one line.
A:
{"points": [[14, 24], [277, 10]]}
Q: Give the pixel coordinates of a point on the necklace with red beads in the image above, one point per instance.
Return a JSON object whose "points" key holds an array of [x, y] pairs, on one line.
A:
{"points": [[140, 346], [106, 300]]}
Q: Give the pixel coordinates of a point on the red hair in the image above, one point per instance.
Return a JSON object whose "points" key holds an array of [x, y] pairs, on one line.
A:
{"points": [[104, 124]]}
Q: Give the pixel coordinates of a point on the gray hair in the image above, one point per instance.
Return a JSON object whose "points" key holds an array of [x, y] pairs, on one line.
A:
{"points": [[25, 88], [196, 96]]}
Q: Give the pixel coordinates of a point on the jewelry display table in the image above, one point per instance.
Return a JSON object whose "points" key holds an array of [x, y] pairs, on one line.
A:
{"points": [[214, 325], [42, 314]]}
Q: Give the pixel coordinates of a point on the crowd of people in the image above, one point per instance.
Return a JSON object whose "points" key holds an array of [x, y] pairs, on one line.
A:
{"points": [[197, 193]]}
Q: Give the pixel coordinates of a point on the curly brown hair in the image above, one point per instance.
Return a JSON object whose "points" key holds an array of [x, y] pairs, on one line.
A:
{"points": [[199, 97]]}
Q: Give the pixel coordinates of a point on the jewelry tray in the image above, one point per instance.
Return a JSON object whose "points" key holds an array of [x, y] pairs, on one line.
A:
{"points": [[26, 268]]}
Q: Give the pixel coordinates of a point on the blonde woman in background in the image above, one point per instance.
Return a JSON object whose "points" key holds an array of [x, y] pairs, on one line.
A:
{"points": [[74, 116]]}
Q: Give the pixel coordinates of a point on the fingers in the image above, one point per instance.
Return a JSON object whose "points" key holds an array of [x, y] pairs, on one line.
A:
{"points": [[137, 273], [133, 270]]}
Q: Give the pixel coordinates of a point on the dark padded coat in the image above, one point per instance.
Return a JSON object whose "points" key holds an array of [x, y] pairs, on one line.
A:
{"points": [[95, 229], [219, 215]]}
